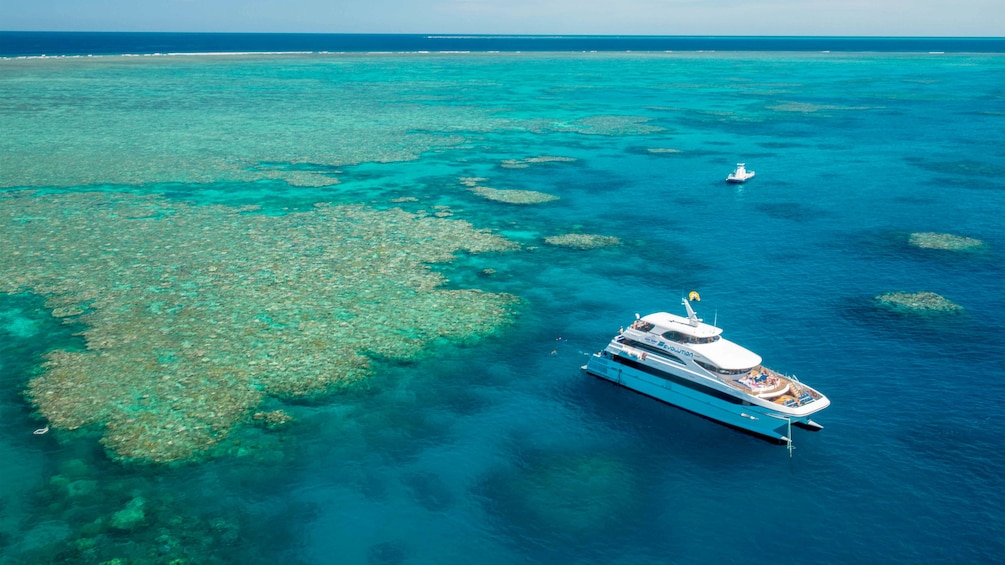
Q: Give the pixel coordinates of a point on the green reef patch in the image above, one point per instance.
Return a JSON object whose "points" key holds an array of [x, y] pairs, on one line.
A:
{"points": [[509, 196], [965, 168], [513, 196], [309, 175], [583, 241], [194, 315], [525, 163], [572, 497], [810, 108], [609, 125], [945, 241], [918, 303], [100, 513]]}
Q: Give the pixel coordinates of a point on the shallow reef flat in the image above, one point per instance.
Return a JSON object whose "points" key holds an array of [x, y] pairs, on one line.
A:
{"points": [[946, 241], [177, 113], [525, 163], [195, 314], [918, 303], [610, 125], [582, 240], [513, 196], [508, 196]]}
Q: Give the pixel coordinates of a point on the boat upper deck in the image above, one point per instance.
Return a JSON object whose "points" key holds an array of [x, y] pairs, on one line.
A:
{"points": [[697, 337], [664, 321]]}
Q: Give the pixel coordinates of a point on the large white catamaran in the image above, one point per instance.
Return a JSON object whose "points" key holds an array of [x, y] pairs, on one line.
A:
{"points": [[687, 363]]}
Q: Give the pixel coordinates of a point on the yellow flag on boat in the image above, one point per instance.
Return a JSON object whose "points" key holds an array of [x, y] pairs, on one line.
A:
{"points": [[693, 296]]}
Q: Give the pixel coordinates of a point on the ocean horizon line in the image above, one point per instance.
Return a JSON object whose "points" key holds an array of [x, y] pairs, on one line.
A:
{"points": [[21, 44], [510, 35], [464, 35]]}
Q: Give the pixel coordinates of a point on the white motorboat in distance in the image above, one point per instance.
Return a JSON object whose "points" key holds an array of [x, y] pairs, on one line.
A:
{"points": [[687, 363], [741, 174]]}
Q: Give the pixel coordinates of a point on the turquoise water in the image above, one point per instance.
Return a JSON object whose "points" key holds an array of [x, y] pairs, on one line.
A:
{"points": [[501, 450]]}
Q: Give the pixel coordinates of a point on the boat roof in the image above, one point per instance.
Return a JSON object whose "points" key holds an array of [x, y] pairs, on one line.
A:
{"points": [[668, 321], [724, 353], [728, 355]]}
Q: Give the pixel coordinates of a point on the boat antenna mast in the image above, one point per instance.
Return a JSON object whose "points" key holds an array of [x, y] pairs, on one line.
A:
{"points": [[692, 317]]}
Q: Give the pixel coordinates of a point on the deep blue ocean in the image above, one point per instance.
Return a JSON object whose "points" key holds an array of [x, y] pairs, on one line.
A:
{"points": [[35, 43], [173, 226]]}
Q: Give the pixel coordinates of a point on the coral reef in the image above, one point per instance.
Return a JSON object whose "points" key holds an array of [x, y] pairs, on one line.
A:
{"points": [[582, 241], [472, 182], [387, 553], [129, 517], [507, 196], [563, 495], [809, 108], [513, 196], [429, 490], [309, 179], [610, 125], [297, 174], [525, 163], [918, 303], [949, 242], [195, 314], [175, 140], [272, 420]]}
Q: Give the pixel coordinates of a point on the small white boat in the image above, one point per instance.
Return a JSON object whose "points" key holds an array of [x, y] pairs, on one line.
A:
{"points": [[741, 174]]}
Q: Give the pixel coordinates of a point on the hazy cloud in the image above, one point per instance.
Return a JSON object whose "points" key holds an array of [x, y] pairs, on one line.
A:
{"points": [[643, 17]]}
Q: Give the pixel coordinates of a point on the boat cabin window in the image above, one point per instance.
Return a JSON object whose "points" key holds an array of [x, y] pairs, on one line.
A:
{"points": [[680, 337], [661, 352], [713, 369]]}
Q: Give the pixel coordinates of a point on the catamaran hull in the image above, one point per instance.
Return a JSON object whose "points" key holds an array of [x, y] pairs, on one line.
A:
{"points": [[748, 418]]}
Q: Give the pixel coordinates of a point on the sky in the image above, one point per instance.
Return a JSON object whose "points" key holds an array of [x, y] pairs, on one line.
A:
{"points": [[580, 17]]}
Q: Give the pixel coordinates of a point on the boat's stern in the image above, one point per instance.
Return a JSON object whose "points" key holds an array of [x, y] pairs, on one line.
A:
{"points": [[598, 364]]}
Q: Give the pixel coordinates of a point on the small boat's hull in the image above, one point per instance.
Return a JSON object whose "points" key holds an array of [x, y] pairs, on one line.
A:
{"points": [[719, 407], [740, 175]]}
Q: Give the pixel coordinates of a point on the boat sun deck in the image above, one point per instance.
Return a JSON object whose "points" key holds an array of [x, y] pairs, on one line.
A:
{"points": [[774, 386]]}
